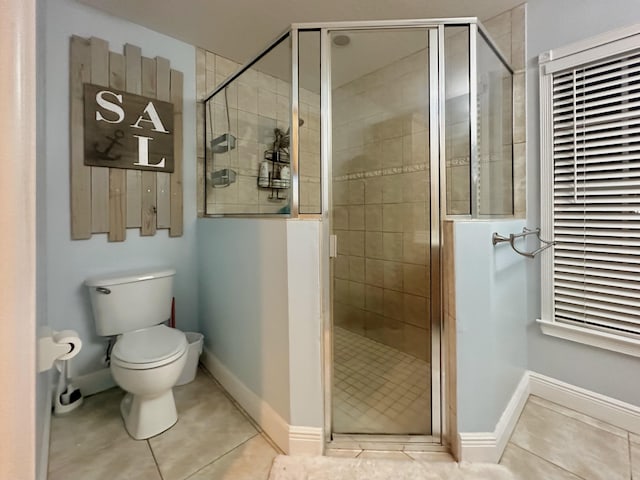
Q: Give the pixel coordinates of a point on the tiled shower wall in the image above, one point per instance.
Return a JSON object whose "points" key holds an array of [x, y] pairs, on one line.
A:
{"points": [[257, 103], [381, 205], [508, 30]]}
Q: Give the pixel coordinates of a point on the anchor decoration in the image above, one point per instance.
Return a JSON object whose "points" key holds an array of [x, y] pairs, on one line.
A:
{"points": [[115, 140], [124, 130]]}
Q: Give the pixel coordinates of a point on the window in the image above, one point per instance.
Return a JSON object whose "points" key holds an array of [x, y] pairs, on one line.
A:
{"points": [[590, 187]]}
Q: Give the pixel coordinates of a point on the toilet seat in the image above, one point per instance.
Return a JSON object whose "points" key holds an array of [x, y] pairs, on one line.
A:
{"points": [[148, 348]]}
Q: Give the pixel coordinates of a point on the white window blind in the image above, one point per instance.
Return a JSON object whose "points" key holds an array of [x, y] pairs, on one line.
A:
{"points": [[591, 279]]}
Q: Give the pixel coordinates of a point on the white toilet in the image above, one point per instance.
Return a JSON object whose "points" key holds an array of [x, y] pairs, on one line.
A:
{"points": [[148, 357]]}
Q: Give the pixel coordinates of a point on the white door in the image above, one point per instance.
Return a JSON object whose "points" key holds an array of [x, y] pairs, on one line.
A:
{"points": [[17, 238]]}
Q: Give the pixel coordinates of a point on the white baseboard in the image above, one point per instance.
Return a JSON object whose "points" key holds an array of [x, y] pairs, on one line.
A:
{"points": [[265, 416], [94, 382], [489, 446], [600, 407], [306, 440]]}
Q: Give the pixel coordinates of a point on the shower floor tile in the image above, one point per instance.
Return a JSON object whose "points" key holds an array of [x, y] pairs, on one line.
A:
{"points": [[378, 389]]}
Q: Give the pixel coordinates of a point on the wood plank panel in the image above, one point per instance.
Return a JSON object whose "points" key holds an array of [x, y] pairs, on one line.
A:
{"points": [[117, 176], [99, 175], [149, 209], [133, 84], [163, 193], [80, 72], [177, 81]]}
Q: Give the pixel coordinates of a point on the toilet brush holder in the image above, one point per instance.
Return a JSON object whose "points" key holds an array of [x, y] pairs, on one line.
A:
{"points": [[67, 397]]}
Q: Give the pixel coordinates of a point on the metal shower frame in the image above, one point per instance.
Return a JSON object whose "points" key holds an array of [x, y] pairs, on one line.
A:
{"points": [[436, 31]]}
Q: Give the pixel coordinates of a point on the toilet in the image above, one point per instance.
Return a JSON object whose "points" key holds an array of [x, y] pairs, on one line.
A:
{"points": [[147, 357]]}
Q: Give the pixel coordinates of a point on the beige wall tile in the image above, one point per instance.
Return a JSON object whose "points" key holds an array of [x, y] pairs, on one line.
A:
{"points": [[356, 243], [373, 190], [341, 267], [392, 189], [341, 218], [356, 294], [356, 217], [374, 272], [518, 31], [393, 304], [416, 310], [415, 247], [373, 218], [356, 269], [416, 341], [393, 275], [393, 217], [356, 192], [415, 279], [519, 108], [374, 299], [392, 246], [373, 245]]}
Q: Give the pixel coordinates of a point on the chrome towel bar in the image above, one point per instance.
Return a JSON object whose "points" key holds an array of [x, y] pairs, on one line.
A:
{"points": [[496, 238]]}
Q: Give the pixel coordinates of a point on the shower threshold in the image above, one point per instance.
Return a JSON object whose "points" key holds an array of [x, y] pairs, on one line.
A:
{"points": [[408, 443]]}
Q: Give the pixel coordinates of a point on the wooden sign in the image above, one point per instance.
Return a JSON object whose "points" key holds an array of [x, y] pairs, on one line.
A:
{"points": [[112, 200], [124, 130]]}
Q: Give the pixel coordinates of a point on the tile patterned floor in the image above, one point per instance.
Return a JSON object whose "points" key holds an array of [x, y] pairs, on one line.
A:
{"points": [[212, 440], [379, 389], [551, 442]]}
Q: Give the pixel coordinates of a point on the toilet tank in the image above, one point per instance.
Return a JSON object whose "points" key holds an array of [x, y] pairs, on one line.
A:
{"points": [[127, 301]]}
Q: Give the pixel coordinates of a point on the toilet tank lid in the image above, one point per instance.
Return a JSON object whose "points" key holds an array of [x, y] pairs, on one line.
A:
{"points": [[130, 276]]}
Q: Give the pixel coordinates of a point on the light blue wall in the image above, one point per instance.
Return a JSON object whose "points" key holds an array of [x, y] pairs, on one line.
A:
{"points": [[305, 322], [490, 322], [243, 292], [552, 24], [68, 262]]}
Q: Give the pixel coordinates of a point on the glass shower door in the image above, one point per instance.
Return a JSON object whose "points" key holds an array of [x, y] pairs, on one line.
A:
{"points": [[381, 215]]}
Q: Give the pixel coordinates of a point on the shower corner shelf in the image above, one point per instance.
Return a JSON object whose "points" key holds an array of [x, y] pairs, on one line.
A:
{"points": [[277, 161]]}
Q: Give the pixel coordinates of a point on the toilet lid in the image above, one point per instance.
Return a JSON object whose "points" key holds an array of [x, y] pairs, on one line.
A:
{"points": [[149, 347]]}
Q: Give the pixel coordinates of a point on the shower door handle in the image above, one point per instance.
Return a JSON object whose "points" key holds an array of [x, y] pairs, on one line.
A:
{"points": [[333, 246]]}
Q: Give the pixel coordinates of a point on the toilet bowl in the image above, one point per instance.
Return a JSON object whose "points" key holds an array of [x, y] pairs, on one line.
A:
{"points": [[146, 364], [147, 357]]}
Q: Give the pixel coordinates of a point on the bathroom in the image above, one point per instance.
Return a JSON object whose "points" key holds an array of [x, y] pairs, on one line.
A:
{"points": [[242, 281]]}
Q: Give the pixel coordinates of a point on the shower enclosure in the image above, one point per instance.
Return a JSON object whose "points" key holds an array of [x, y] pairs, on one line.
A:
{"points": [[381, 130]]}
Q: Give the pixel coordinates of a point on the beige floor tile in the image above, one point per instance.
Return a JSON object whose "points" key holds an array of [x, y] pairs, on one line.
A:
{"points": [[209, 426], [435, 457], [119, 461], [95, 425], [635, 457], [578, 416], [526, 466], [585, 450], [387, 455], [250, 461]]}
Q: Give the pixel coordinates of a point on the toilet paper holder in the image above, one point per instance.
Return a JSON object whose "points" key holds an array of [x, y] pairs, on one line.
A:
{"points": [[53, 345]]}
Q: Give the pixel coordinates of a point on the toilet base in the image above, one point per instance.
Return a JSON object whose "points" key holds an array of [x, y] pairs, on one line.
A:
{"points": [[145, 417]]}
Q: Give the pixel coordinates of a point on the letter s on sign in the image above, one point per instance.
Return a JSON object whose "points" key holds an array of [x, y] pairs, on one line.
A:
{"points": [[107, 105]]}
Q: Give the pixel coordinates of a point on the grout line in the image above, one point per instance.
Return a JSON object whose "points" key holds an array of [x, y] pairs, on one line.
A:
{"points": [[546, 460], [155, 460], [577, 419], [220, 457], [255, 425]]}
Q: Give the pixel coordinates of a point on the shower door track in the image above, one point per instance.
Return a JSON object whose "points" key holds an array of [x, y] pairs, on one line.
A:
{"points": [[435, 442]]}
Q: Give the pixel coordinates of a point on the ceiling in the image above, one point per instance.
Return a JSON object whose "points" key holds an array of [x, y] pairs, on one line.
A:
{"points": [[239, 29]]}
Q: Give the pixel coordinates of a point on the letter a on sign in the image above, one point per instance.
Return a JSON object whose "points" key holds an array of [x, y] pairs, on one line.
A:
{"points": [[123, 130]]}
